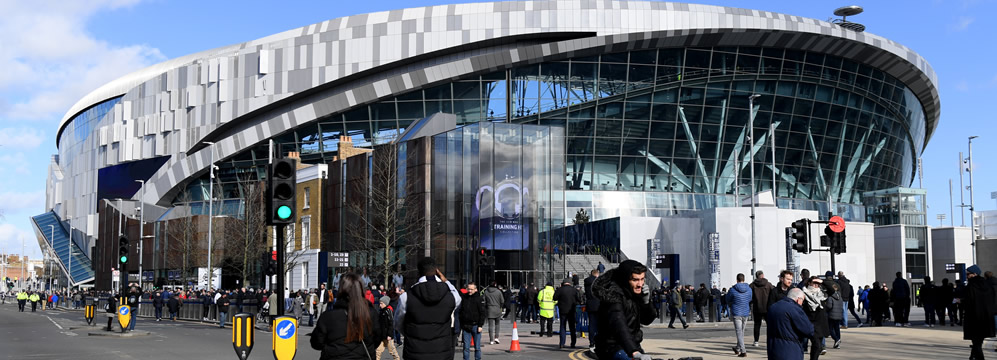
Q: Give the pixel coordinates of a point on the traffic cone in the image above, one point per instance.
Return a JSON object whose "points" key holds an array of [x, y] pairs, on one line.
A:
{"points": [[514, 345]]}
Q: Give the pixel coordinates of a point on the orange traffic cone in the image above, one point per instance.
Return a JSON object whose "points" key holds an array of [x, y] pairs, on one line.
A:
{"points": [[514, 345]]}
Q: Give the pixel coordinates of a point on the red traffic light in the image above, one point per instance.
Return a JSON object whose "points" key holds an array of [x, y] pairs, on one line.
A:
{"points": [[481, 251], [836, 224], [273, 255]]}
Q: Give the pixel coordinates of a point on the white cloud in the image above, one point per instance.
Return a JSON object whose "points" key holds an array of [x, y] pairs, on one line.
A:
{"points": [[962, 23], [11, 236], [14, 164], [21, 138], [50, 61], [14, 201]]}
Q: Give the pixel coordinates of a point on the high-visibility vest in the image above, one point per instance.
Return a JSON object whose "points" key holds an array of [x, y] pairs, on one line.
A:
{"points": [[34, 297], [546, 299], [22, 296]]}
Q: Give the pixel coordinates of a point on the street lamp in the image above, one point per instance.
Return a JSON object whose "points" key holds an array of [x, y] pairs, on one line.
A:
{"points": [[52, 243], [972, 207], [751, 162], [141, 229], [211, 203]]}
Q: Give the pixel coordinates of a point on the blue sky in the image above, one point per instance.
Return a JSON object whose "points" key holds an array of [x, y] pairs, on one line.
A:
{"points": [[54, 52]]}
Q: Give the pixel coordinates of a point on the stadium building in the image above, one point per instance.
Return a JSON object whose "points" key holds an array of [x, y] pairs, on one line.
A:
{"points": [[652, 99]]}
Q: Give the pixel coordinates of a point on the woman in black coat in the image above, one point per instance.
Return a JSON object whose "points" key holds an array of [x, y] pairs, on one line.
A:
{"points": [[813, 306], [351, 330], [978, 304]]}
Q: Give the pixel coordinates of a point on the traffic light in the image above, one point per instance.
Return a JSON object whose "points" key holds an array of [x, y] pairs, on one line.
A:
{"points": [[837, 242], [482, 257], [801, 238], [281, 189], [270, 263], [123, 249]]}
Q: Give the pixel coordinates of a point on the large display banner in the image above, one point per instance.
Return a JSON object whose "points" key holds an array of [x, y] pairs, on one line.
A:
{"points": [[500, 204]]}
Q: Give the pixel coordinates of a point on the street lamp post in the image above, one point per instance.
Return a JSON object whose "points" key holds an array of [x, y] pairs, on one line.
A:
{"points": [[141, 229], [211, 203], [51, 244], [751, 162], [972, 204]]}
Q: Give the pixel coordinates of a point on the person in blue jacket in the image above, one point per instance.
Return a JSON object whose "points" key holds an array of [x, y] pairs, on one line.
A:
{"points": [[788, 325], [739, 298]]}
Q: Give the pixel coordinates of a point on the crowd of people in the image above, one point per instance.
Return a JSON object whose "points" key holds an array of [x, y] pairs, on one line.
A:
{"points": [[357, 319]]}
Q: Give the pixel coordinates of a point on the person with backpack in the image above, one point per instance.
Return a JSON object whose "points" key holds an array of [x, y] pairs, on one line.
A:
{"points": [[352, 330], [386, 316]]}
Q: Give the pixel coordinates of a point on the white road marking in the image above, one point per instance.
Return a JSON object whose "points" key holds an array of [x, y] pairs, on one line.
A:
{"points": [[54, 323]]}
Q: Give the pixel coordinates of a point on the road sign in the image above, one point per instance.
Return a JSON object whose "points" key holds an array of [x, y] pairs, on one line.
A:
{"points": [[836, 223], [339, 259], [124, 316], [88, 313], [285, 338], [242, 335]]}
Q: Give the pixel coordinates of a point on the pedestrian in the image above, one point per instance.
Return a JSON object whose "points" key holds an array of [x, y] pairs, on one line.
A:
{"points": [[836, 314], [173, 305], [472, 316], [298, 305], [978, 304], [601, 268], [879, 303], [813, 306], [386, 316], [424, 315], [157, 304], [989, 276], [761, 289], [493, 304], [848, 297], [22, 299], [223, 304], [510, 301], [567, 298], [531, 297], [352, 329], [272, 308], [702, 299], [901, 300], [34, 298], [715, 302], [787, 327], [206, 300], [739, 297], [675, 306], [625, 305], [926, 295], [546, 300], [592, 308], [943, 297]]}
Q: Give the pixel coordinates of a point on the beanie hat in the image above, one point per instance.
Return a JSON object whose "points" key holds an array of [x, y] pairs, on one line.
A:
{"points": [[975, 269], [828, 274], [385, 300]]}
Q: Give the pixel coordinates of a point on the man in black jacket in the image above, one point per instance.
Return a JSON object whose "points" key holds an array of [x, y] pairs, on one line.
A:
{"points": [[592, 308], [424, 315], [901, 300], [472, 317], [566, 298], [625, 304], [979, 306], [848, 296]]}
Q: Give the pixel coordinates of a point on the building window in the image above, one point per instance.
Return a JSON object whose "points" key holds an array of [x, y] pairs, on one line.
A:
{"points": [[307, 198], [289, 237], [304, 275], [306, 233]]}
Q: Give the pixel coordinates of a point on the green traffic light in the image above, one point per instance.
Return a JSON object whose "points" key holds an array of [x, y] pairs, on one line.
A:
{"points": [[124, 259], [284, 212]]}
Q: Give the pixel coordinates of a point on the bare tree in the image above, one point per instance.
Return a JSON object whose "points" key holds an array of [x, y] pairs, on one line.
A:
{"points": [[385, 219], [183, 245], [246, 240]]}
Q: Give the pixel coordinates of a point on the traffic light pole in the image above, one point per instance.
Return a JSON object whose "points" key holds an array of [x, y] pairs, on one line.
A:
{"points": [[279, 292]]}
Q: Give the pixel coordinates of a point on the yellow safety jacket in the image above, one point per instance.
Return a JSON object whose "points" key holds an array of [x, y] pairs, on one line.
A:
{"points": [[22, 296], [546, 299], [34, 297]]}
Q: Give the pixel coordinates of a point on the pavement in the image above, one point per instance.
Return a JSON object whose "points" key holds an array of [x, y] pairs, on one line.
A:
{"points": [[60, 334]]}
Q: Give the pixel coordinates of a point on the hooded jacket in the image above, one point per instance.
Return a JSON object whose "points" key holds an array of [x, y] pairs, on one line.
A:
{"points": [[493, 301], [738, 298], [760, 289], [425, 317], [621, 313]]}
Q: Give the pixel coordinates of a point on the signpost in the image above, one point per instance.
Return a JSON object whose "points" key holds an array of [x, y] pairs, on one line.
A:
{"points": [[339, 259], [714, 258], [124, 316], [285, 338], [243, 336]]}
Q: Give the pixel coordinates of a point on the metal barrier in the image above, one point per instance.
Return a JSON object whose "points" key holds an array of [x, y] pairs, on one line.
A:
{"points": [[192, 310]]}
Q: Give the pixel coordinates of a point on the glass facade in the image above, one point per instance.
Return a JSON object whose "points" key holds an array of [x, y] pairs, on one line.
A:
{"points": [[666, 129], [497, 186], [907, 207], [79, 128]]}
